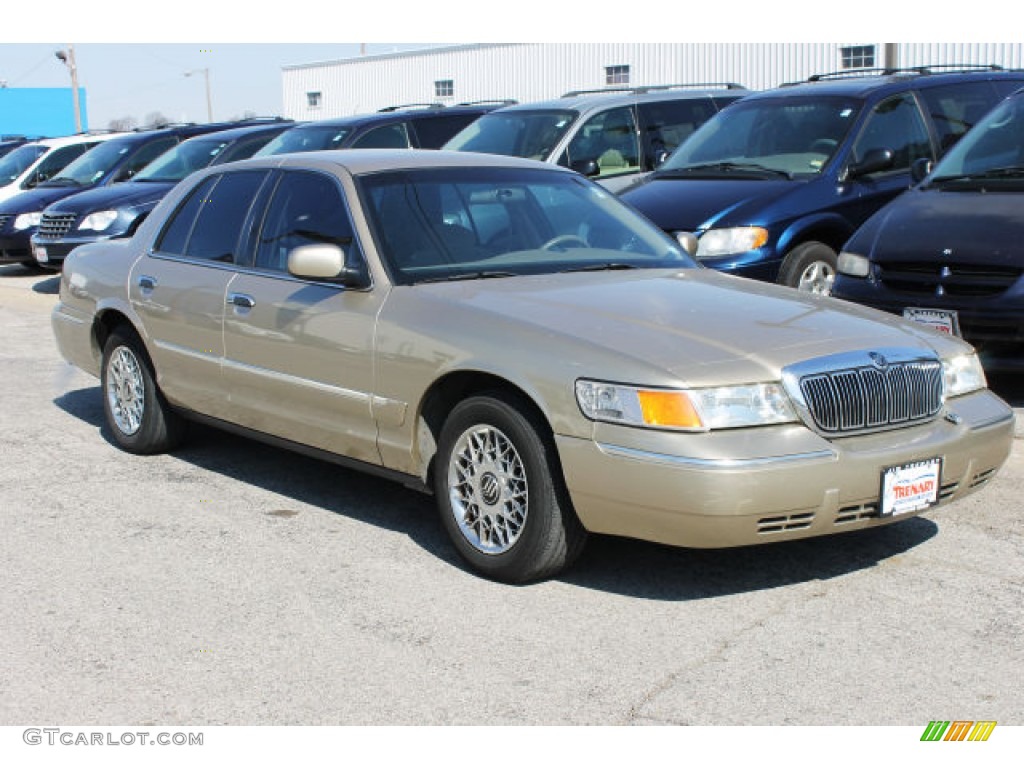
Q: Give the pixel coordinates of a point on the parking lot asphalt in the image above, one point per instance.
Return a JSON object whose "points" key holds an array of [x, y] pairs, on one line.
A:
{"points": [[234, 583]]}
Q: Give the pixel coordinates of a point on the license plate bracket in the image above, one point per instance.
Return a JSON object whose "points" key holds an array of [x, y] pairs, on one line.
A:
{"points": [[910, 487]]}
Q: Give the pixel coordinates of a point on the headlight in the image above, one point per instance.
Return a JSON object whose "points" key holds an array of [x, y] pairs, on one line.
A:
{"points": [[26, 220], [723, 242], [963, 374], [853, 264], [693, 410], [98, 221]]}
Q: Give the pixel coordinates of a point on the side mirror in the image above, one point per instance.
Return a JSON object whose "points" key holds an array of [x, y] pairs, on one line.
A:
{"points": [[920, 168], [325, 261], [875, 160], [585, 167], [660, 156]]}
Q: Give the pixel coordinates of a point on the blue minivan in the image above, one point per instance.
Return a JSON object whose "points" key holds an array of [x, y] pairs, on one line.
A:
{"points": [[772, 186]]}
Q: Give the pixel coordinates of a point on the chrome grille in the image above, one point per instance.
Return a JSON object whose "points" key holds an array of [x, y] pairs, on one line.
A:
{"points": [[55, 225], [869, 398]]}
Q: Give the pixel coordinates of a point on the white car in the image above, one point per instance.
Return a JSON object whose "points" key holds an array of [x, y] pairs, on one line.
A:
{"points": [[30, 164]]}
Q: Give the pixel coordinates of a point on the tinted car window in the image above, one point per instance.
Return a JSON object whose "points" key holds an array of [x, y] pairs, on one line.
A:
{"points": [[175, 234], [518, 133], [144, 157], [955, 109], [665, 124], [307, 139], [55, 162], [610, 139], [208, 225], [895, 124], [16, 161], [392, 136], [306, 209], [435, 130], [179, 162], [243, 148], [996, 144]]}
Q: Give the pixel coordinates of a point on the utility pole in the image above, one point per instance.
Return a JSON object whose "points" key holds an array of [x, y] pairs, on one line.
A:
{"points": [[209, 100], [68, 58]]}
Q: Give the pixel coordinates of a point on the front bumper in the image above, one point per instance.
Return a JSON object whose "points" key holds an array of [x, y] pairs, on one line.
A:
{"points": [[15, 249], [753, 486]]}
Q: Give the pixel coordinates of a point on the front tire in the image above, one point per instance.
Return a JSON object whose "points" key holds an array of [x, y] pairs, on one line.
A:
{"points": [[137, 414], [500, 491], [811, 268]]}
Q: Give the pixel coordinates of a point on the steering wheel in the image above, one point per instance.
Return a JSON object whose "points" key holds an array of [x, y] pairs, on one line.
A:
{"points": [[824, 146], [564, 240]]}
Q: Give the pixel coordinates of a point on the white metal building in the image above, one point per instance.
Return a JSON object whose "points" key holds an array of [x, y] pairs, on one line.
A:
{"points": [[535, 71]]}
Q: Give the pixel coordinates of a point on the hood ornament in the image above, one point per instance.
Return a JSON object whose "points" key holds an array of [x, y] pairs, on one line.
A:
{"points": [[878, 360]]}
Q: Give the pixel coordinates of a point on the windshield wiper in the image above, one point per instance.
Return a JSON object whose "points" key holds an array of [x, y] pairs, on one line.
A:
{"points": [[723, 166], [480, 275], [1004, 172], [62, 181], [603, 267]]}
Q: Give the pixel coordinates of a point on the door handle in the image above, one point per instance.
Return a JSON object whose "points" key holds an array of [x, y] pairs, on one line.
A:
{"points": [[147, 283], [241, 300]]}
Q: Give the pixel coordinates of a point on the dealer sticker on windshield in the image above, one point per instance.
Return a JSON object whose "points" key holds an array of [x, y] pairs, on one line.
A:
{"points": [[910, 487]]}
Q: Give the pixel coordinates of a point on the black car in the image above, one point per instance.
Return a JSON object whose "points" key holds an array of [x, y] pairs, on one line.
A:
{"points": [[773, 185], [950, 252], [114, 160], [408, 126], [119, 209]]}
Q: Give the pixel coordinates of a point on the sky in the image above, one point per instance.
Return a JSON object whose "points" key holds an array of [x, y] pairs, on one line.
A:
{"points": [[132, 56]]}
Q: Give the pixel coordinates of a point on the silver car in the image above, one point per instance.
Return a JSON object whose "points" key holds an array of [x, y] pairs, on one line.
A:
{"points": [[513, 338]]}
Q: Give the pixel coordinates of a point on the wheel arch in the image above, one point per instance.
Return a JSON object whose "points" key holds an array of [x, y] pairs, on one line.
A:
{"points": [[831, 229], [448, 391]]}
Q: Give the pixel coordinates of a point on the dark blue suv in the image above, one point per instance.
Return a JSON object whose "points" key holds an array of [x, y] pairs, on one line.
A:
{"points": [[772, 186], [114, 160]]}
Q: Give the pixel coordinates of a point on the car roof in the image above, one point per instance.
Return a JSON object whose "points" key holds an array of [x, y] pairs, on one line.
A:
{"points": [[363, 161], [249, 130], [611, 97], [77, 138], [397, 114], [864, 83]]}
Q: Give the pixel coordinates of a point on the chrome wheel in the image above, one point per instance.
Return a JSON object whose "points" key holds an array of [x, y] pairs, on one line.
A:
{"points": [[817, 277], [126, 390], [487, 488]]}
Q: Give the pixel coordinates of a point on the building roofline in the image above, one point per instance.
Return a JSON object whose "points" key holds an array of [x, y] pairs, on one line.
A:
{"points": [[400, 55]]}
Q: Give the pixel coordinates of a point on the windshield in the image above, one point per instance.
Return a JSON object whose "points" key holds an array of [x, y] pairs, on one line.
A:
{"points": [[993, 149], [91, 167], [466, 223], [519, 133], [178, 162], [307, 139], [15, 162], [796, 136]]}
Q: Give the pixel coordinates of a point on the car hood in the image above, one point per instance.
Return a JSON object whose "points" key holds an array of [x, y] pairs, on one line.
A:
{"points": [[126, 195], [947, 226], [696, 204], [36, 199], [695, 325]]}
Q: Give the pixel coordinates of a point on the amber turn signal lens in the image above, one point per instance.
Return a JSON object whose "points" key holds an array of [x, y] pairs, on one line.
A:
{"points": [[668, 409]]}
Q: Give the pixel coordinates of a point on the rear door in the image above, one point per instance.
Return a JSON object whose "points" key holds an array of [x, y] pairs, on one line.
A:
{"points": [[179, 288]]}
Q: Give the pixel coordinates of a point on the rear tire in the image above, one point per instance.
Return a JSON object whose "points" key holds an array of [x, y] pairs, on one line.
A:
{"points": [[810, 267], [500, 492], [139, 417]]}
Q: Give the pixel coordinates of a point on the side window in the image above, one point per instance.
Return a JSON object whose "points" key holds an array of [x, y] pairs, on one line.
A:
{"points": [[242, 149], [609, 139], [954, 109], [209, 225], [664, 125], [392, 136], [144, 157], [54, 163], [306, 209], [895, 124], [433, 132]]}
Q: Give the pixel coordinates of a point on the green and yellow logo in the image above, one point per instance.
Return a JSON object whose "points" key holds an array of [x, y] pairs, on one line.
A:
{"points": [[958, 730]]}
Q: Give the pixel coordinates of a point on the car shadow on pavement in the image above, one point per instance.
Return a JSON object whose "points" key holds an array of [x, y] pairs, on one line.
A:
{"points": [[49, 285], [609, 564]]}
